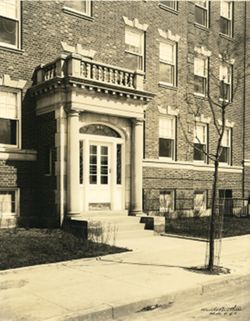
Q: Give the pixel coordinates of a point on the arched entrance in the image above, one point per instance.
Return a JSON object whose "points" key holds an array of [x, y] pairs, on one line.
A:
{"points": [[101, 168]]}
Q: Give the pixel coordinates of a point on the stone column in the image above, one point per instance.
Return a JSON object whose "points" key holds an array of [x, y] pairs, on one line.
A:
{"points": [[73, 204], [137, 156]]}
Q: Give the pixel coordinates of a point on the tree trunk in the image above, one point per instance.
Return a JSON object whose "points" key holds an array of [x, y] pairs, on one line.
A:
{"points": [[213, 217]]}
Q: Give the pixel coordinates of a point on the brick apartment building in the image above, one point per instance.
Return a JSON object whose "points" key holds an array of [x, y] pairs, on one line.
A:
{"points": [[94, 114]]}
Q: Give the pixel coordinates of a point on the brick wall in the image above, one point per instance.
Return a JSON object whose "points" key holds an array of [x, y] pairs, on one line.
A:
{"points": [[45, 25], [46, 182]]}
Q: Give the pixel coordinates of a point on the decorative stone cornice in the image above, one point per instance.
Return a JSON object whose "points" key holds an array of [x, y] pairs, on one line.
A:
{"points": [[168, 35], [228, 123], [202, 119], [8, 82], [168, 110], [78, 49], [135, 24], [203, 51]]}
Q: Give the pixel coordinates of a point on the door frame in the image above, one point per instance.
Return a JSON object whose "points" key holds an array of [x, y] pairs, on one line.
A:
{"points": [[89, 139]]}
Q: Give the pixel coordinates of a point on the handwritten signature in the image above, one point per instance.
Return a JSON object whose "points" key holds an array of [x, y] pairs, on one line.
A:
{"points": [[223, 310]]}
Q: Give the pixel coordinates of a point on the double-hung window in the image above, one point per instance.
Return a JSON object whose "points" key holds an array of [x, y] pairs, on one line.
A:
{"points": [[134, 48], [226, 18], [9, 118], [167, 66], [201, 75], [200, 202], [167, 201], [170, 4], [200, 142], [202, 13], [167, 137], [79, 7], [10, 23], [8, 203], [226, 82], [225, 152]]}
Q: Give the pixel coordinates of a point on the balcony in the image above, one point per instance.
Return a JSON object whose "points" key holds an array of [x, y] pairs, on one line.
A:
{"points": [[78, 71]]}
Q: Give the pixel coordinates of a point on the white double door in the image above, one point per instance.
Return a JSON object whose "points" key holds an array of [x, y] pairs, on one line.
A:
{"points": [[101, 175]]}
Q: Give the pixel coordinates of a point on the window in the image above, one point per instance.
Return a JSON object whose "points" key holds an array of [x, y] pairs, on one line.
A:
{"points": [[200, 142], [200, 75], [226, 18], [167, 137], [226, 82], [9, 23], [167, 68], [225, 156], [166, 201], [134, 48], [7, 203], [170, 4], [202, 13], [200, 202], [82, 7], [9, 119]]}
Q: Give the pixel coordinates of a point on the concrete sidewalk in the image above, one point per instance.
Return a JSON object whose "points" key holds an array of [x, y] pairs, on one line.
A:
{"points": [[99, 289]]}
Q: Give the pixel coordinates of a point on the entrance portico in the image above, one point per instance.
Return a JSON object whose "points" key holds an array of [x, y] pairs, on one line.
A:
{"points": [[102, 128]]}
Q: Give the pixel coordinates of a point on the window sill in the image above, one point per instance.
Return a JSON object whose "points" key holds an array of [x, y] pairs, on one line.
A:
{"points": [[166, 159], [200, 162], [201, 27], [164, 85], [77, 14], [10, 49], [200, 96], [17, 154], [174, 11], [222, 35], [226, 101], [222, 164]]}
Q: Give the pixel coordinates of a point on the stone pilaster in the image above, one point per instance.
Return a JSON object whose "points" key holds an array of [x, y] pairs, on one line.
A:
{"points": [[73, 204], [137, 156]]}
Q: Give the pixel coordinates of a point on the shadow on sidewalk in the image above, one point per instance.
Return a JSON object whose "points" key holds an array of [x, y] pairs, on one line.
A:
{"points": [[194, 269]]}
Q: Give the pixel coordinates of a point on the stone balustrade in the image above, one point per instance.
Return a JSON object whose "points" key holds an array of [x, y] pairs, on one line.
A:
{"points": [[76, 66]]}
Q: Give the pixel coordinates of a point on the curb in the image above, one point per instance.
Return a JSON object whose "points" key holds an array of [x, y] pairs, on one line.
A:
{"points": [[109, 311]]}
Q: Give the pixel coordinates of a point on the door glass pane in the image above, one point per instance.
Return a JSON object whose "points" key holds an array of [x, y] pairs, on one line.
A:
{"points": [[93, 149], [104, 150], [104, 160], [93, 164], [104, 165]]}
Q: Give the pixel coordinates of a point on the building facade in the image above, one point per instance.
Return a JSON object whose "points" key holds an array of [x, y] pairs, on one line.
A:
{"points": [[95, 113]]}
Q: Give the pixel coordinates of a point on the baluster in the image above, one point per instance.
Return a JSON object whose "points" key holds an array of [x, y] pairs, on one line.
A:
{"points": [[126, 79], [100, 73], [82, 69], [116, 77], [88, 71], [121, 78], [130, 82], [94, 72], [111, 75], [105, 74]]}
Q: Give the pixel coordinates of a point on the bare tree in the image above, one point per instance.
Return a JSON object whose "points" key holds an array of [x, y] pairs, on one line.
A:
{"points": [[219, 101]]}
